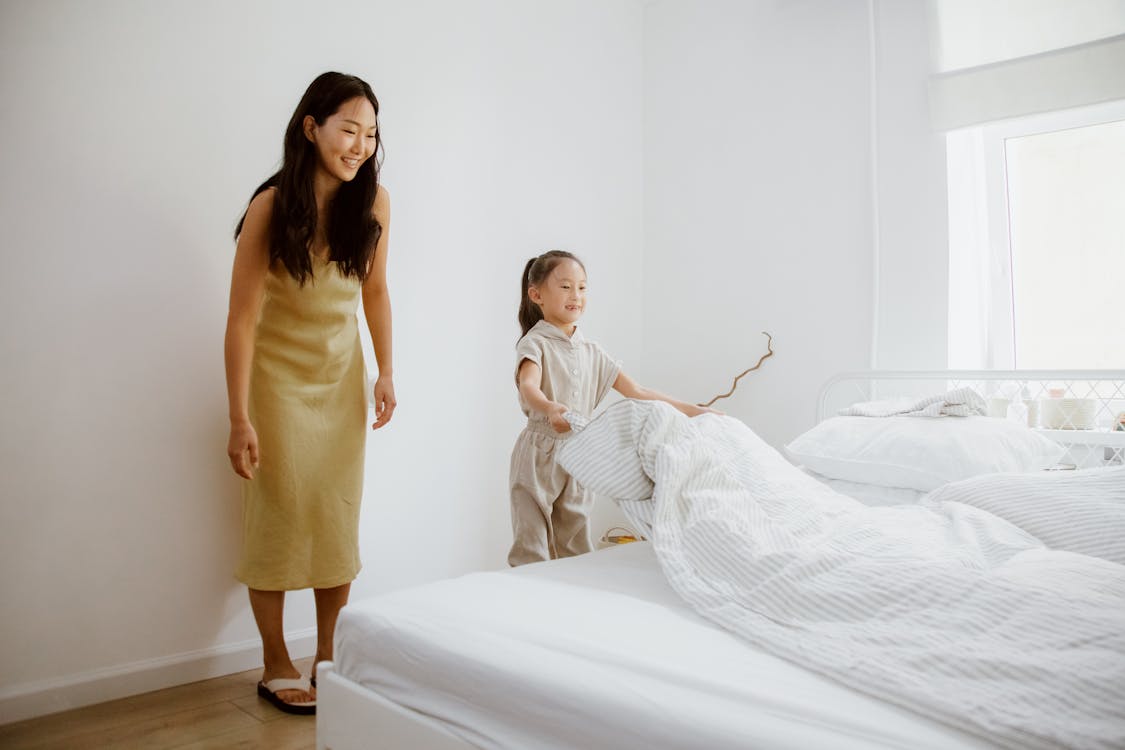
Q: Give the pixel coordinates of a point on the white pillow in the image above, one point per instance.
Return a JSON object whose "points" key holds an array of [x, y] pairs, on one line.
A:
{"points": [[920, 453], [1077, 511], [871, 494], [603, 455]]}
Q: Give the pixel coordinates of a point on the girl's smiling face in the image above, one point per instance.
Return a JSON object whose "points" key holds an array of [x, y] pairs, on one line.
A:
{"points": [[346, 139], [562, 296]]}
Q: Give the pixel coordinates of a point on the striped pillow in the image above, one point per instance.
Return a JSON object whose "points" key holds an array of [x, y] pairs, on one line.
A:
{"points": [[603, 455], [1077, 511]]}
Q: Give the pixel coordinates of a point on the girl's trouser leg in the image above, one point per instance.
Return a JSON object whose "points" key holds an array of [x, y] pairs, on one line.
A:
{"points": [[531, 529], [534, 481], [570, 518]]}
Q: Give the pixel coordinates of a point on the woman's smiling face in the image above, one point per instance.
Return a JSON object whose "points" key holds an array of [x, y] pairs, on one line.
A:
{"points": [[346, 139]]}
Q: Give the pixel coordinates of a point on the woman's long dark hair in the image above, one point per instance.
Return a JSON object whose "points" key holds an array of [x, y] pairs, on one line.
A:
{"points": [[535, 273], [352, 230]]}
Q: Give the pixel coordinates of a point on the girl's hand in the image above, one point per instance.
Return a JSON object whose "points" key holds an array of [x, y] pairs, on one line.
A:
{"points": [[693, 410], [555, 415], [384, 401], [242, 449]]}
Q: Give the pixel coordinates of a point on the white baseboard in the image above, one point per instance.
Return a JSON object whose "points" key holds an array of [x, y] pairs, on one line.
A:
{"points": [[31, 699]]}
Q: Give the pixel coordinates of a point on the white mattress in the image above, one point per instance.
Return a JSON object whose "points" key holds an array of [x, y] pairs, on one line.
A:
{"points": [[598, 652]]}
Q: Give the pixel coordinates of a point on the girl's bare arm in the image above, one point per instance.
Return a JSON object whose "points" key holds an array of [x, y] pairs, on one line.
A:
{"points": [[630, 388], [531, 388]]}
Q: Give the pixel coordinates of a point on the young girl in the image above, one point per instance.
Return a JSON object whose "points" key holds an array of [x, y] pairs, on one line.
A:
{"points": [[312, 243], [558, 370]]}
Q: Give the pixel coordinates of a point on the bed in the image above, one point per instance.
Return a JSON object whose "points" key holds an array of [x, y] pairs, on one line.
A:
{"points": [[614, 650], [588, 652]]}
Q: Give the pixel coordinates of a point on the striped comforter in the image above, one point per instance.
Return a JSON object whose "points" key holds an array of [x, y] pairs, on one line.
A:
{"points": [[946, 609]]}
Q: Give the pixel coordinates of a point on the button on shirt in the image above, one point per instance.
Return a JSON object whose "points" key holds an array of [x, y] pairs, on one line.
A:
{"points": [[576, 372]]}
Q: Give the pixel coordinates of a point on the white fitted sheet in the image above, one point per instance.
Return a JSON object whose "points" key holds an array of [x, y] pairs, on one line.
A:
{"points": [[598, 652]]}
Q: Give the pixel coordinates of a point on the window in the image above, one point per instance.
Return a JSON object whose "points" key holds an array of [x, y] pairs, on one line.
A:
{"points": [[1066, 208], [1037, 242]]}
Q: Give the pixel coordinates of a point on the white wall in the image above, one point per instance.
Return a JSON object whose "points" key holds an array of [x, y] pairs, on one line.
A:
{"points": [[134, 133], [758, 210], [913, 228]]}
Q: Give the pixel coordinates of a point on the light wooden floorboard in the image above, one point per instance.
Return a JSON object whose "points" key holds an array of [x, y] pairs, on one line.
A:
{"points": [[224, 712], [287, 733]]}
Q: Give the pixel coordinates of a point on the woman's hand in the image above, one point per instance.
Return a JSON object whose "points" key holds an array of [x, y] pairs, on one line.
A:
{"points": [[243, 449], [555, 416], [384, 401]]}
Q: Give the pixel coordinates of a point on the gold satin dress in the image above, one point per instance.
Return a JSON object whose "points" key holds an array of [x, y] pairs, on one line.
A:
{"points": [[308, 404]]}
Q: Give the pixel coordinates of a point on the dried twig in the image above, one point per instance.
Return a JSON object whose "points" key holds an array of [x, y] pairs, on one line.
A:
{"points": [[764, 357]]}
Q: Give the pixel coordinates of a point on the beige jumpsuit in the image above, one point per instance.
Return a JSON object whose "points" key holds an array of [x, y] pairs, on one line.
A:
{"points": [[549, 509]]}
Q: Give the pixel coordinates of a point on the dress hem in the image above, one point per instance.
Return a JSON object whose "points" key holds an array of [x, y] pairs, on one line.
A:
{"points": [[330, 583]]}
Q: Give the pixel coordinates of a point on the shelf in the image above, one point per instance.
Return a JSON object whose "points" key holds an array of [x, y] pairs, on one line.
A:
{"points": [[1105, 438]]}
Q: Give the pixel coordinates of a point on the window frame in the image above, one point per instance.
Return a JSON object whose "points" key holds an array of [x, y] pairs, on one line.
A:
{"points": [[981, 267]]}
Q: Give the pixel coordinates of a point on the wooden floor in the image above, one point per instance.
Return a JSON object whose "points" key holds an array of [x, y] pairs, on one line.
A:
{"points": [[225, 712]]}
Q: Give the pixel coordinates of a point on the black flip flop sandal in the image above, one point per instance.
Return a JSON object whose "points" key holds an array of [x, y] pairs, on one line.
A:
{"points": [[269, 690]]}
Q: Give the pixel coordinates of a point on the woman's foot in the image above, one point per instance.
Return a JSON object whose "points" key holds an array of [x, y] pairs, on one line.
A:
{"points": [[294, 696]]}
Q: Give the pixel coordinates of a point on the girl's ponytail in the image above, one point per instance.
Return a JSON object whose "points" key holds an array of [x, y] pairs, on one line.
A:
{"points": [[530, 314], [535, 273]]}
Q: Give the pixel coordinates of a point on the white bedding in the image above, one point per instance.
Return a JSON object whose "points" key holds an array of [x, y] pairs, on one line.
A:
{"points": [[599, 652], [961, 402], [947, 609]]}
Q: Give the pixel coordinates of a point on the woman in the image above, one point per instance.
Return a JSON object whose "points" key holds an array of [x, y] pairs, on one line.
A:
{"points": [[312, 242]]}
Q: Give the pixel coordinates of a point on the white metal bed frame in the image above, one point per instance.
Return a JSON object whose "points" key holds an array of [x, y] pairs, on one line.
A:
{"points": [[353, 717]]}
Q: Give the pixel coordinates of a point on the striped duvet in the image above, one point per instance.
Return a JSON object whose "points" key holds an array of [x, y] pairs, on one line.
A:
{"points": [[945, 608]]}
